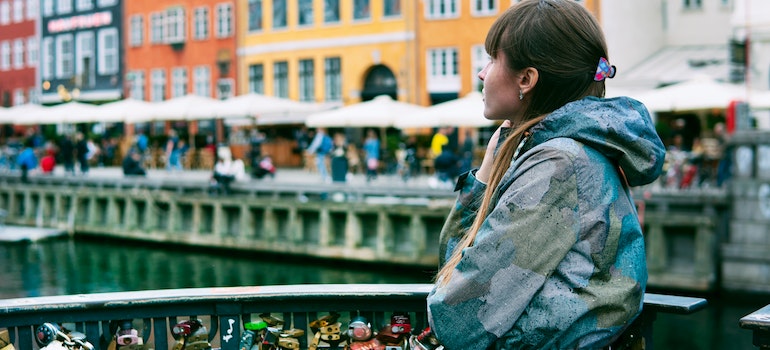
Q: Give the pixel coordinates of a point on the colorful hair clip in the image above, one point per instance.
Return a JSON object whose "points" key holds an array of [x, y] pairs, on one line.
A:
{"points": [[604, 70]]}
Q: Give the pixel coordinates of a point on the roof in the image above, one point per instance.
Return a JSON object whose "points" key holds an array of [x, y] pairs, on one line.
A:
{"points": [[675, 64]]}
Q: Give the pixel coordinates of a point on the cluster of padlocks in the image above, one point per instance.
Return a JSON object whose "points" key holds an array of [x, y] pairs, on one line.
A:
{"points": [[267, 333]]}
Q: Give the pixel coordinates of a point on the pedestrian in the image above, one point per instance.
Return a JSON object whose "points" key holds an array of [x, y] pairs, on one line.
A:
{"points": [[543, 248], [67, 154], [132, 164], [173, 152], [371, 154], [81, 152], [27, 160], [321, 145]]}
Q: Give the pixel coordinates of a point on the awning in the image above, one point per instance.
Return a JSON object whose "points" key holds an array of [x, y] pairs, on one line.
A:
{"points": [[675, 64]]}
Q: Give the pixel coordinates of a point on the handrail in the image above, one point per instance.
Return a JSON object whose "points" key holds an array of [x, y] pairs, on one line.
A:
{"points": [[225, 310], [758, 322]]}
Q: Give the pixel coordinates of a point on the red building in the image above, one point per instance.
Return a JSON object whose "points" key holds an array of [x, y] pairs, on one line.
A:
{"points": [[176, 48], [19, 47]]}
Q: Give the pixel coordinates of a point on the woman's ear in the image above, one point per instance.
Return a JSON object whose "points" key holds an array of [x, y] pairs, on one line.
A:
{"points": [[528, 79]]}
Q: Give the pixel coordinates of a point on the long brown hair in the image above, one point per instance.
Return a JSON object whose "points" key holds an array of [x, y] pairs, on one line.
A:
{"points": [[564, 42]]}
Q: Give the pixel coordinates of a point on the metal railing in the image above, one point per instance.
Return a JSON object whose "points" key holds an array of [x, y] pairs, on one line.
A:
{"points": [[226, 313]]}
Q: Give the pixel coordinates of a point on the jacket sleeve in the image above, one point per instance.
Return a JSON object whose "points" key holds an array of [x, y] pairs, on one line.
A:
{"points": [[526, 235], [462, 214]]}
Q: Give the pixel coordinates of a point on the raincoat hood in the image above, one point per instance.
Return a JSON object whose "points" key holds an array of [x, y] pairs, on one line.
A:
{"points": [[620, 128]]}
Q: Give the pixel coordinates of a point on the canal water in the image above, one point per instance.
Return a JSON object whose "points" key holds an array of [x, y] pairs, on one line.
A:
{"points": [[76, 266]]}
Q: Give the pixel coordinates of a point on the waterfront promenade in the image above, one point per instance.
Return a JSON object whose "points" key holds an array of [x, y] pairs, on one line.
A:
{"points": [[283, 176]]}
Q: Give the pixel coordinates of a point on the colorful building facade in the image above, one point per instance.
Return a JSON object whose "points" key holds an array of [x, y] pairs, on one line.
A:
{"points": [[18, 52], [174, 48], [333, 51], [81, 50]]}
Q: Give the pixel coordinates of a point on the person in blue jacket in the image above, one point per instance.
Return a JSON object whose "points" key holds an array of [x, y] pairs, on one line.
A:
{"points": [[26, 160], [543, 249]]}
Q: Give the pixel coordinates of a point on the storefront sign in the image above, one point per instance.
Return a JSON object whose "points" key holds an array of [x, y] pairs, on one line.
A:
{"points": [[98, 19]]}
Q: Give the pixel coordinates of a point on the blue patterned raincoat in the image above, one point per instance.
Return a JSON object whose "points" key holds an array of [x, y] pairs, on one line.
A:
{"points": [[559, 262]]}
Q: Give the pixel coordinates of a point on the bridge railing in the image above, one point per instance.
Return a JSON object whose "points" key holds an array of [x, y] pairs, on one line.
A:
{"points": [[758, 322], [226, 313]]}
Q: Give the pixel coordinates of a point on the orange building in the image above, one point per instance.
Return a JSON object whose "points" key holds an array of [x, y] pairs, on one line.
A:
{"points": [[179, 47]]}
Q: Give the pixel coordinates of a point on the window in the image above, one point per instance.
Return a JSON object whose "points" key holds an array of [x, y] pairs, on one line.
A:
{"points": [[63, 7], [32, 51], [5, 12], [391, 8], [202, 81], [201, 23], [85, 59], [306, 84], [18, 13], [436, 9], [85, 5], [279, 14], [156, 27], [48, 8], [442, 62], [224, 20], [361, 10], [257, 78], [175, 28], [107, 3], [442, 70], [692, 4], [479, 60], [65, 66], [34, 96], [47, 55], [5, 55], [108, 51], [32, 7], [158, 85], [18, 54], [332, 79], [255, 15], [137, 84], [178, 82], [331, 11], [484, 7], [18, 97], [281, 79], [305, 13], [137, 30]]}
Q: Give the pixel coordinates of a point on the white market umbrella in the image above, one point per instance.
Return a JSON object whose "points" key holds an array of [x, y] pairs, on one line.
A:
{"points": [[696, 94], [382, 111], [266, 109], [759, 99], [188, 107], [467, 111], [29, 114], [73, 112], [124, 109]]}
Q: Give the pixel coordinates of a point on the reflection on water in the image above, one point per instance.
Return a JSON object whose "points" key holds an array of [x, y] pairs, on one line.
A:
{"points": [[65, 266]]}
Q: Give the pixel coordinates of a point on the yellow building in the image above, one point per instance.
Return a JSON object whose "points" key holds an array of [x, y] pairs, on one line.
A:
{"points": [[331, 51], [450, 37], [347, 51]]}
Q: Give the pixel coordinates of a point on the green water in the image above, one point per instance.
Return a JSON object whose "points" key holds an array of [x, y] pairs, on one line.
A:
{"points": [[65, 266]]}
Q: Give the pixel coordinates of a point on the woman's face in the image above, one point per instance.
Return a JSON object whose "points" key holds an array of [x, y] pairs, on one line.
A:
{"points": [[501, 90]]}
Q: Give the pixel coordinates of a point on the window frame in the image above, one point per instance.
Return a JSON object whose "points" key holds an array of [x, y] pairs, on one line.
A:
{"points": [[306, 80], [256, 78], [136, 30], [108, 59], [201, 23]]}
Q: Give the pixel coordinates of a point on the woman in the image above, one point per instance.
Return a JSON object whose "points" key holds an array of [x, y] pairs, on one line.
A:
{"points": [[543, 249]]}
